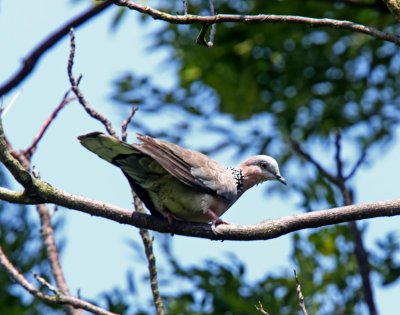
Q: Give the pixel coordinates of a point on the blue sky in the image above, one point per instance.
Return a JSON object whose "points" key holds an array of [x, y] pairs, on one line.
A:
{"points": [[97, 255]]}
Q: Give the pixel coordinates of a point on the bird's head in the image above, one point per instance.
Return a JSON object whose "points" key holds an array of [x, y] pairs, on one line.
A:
{"points": [[260, 168]]}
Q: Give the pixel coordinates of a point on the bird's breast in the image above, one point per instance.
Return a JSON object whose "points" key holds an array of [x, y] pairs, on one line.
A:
{"points": [[185, 202]]}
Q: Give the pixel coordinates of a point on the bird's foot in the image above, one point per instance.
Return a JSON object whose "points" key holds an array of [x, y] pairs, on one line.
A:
{"points": [[169, 216], [215, 223]]}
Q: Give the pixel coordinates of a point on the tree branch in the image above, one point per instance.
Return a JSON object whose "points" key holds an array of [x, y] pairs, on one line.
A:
{"points": [[52, 254], [45, 193], [303, 153], [126, 122], [300, 294], [79, 94], [32, 148], [260, 18], [262, 231], [340, 182], [31, 60], [151, 259], [56, 299]]}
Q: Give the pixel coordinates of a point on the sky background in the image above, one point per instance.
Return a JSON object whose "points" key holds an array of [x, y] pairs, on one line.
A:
{"points": [[97, 254]]}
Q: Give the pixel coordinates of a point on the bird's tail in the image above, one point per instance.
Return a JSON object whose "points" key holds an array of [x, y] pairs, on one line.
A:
{"points": [[106, 147]]}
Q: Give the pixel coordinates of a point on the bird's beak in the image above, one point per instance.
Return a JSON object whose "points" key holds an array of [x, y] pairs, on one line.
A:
{"points": [[281, 179]]}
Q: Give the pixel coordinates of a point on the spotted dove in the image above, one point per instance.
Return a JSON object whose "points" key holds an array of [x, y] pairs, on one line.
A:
{"points": [[179, 183]]}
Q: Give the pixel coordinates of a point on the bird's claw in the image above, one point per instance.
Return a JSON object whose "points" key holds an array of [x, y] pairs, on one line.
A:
{"points": [[215, 223]]}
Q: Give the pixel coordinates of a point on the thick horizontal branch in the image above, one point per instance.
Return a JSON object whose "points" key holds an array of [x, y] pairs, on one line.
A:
{"points": [[263, 231], [33, 57], [260, 18], [17, 197], [41, 192]]}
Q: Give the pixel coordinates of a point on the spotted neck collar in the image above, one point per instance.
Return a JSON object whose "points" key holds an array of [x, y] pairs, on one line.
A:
{"points": [[238, 177]]}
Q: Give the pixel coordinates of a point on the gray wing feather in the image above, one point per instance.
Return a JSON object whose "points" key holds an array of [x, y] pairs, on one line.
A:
{"points": [[190, 167]]}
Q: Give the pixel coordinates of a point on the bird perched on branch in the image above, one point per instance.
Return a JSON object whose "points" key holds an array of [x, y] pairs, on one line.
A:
{"points": [[179, 183]]}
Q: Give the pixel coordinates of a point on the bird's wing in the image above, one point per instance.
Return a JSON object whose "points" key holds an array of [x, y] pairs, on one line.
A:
{"points": [[128, 159], [190, 167]]}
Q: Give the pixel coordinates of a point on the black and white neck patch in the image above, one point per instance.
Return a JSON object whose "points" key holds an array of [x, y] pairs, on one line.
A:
{"points": [[238, 177]]}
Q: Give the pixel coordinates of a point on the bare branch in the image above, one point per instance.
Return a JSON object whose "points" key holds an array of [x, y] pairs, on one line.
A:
{"points": [[364, 267], [16, 197], [78, 93], [300, 151], [338, 157], [259, 307], [126, 122], [359, 247], [32, 148], [213, 26], [148, 249], [57, 299], [262, 231], [357, 165], [42, 192], [300, 294], [45, 283], [261, 18], [201, 38], [52, 254], [31, 60], [185, 7], [17, 170]]}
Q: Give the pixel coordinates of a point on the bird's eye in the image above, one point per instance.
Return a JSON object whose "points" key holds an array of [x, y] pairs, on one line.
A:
{"points": [[263, 165]]}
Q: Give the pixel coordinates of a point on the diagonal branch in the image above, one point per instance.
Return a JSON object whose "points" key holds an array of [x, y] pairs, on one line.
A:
{"points": [[126, 122], [357, 165], [56, 299], [79, 94], [31, 60], [300, 151], [32, 148], [359, 248], [255, 19], [300, 295], [47, 232]]}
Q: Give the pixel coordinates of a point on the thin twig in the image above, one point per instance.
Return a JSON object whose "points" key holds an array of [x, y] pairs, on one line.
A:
{"points": [[261, 18], [213, 26], [126, 122], [45, 283], [185, 7], [32, 148], [259, 307], [151, 259], [357, 165], [57, 299], [201, 38], [31, 60], [300, 151], [74, 87], [300, 294], [338, 155]]}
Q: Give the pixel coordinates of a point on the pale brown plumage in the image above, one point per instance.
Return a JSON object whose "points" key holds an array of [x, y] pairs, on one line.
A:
{"points": [[181, 183]]}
